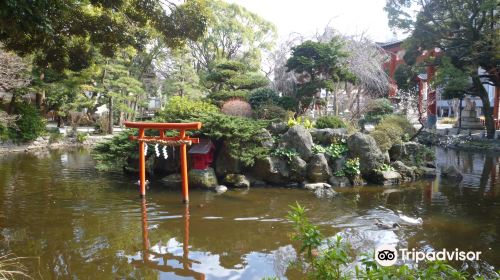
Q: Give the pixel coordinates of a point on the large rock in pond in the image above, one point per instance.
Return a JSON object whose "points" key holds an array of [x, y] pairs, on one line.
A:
{"points": [[407, 172], [202, 178], [339, 182], [225, 163], [410, 153], [271, 169], [298, 169], [451, 173], [327, 136], [172, 181], [318, 169], [364, 147], [236, 181], [299, 139], [386, 178]]}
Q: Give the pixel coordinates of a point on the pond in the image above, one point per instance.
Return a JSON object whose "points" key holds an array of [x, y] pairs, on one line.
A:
{"points": [[70, 221]]}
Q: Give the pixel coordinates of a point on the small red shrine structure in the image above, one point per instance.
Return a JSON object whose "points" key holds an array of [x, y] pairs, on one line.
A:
{"points": [[202, 154], [181, 140]]}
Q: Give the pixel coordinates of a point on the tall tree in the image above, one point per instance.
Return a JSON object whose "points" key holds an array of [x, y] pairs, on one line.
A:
{"points": [[65, 34], [467, 33], [233, 33], [321, 66]]}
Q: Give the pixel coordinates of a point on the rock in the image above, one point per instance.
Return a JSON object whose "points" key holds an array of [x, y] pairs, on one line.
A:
{"points": [[386, 178], [410, 153], [278, 128], [292, 185], [221, 189], [425, 172], [172, 181], [271, 169], [203, 178], [387, 158], [225, 163], [339, 181], [298, 169], [327, 136], [237, 181], [299, 139], [358, 181], [166, 166], [255, 182], [364, 147], [451, 172], [337, 164], [318, 169], [325, 193], [407, 173], [314, 186], [266, 139]]}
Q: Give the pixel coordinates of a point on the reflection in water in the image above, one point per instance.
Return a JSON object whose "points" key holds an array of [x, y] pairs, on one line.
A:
{"points": [[80, 224], [158, 259]]}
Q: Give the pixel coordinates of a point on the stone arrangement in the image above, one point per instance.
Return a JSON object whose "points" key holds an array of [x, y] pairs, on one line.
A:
{"points": [[317, 172], [469, 119]]}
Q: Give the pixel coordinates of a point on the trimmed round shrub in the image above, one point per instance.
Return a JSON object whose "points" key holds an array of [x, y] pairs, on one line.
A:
{"points": [[261, 96], [179, 108], [271, 112], [237, 107], [382, 139], [329, 122], [399, 121], [392, 130]]}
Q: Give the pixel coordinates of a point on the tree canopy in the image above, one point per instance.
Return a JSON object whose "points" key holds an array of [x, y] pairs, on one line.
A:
{"points": [[67, 34], [466, 32], [232, 33]]}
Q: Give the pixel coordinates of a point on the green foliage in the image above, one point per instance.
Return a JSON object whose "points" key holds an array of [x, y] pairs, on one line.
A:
{"points": [[263, 96], [233, 33], [351, 167], [68, 34], [392, 130], [30, 123], [225, 95], [7, 125], [305, 122], [424, 154], [182, 108], [288, 103], [385, 167], [284, 153], [377, 110], [333, 150], [323, 62], [332, 259], [271, 112], [329, 122], [81, 137], [113, 154]]}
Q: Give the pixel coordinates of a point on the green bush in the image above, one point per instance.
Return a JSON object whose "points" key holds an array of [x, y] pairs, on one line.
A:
{"points": [[377, 110], [288, 103], [225, 95], [30, 123], [305, 122], [181, 108], [329, 122], [81, 137], [113, 154], [271, 112], [261, 96], [392, 130]]}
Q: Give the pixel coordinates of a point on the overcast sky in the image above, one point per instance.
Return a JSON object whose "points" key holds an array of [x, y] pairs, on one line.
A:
{"points": [[310, 16]]}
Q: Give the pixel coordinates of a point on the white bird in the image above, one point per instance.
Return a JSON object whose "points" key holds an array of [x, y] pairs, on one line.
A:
{"points": [[410, 220]]}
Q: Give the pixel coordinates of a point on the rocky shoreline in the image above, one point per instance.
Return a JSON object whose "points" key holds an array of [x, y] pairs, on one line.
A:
{"points": [[44, 142], [305, 167]]}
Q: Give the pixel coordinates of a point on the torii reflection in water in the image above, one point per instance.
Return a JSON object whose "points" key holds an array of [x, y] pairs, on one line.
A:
{"points": [[186, 270]]}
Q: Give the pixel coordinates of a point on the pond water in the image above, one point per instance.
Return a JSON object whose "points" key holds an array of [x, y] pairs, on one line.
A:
{"points": [[71, 222]]}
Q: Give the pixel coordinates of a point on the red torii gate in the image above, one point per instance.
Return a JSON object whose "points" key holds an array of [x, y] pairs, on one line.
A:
{"points": [[181, 140]]}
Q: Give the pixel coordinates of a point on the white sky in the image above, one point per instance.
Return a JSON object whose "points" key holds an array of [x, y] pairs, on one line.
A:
{"points": [[310, 16]]}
